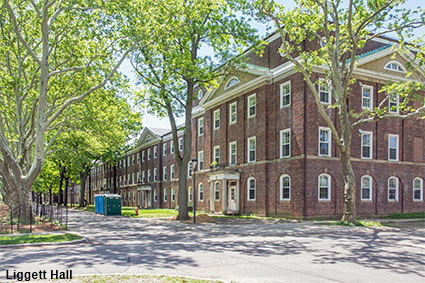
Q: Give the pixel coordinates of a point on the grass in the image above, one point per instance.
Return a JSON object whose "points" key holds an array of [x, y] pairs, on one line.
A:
{"points": [[138, 278], [404, 215], [247, 216], [23, 239], [148, 213]]}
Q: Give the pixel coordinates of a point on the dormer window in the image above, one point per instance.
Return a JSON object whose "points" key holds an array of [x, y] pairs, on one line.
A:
{"points": [[231, 82], [395, 66]]}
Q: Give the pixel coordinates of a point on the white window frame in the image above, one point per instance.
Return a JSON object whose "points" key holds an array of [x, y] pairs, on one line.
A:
{"points": [[199, 192], [322, 83], [370, 187], [143, 176], [165, 195], [143, 156], [283, 94], [149, 154], [233, 114], [328, 198], [173, 194], [420, 189], [231, 144], [201, 126], [364, 133], [396, 188], [249, 188], [397, 148], [172, 172], [388, 66], [281, 187], [190, 194], [164, 173], [155, 152], [155, 174], [216, 117], [370, 88], [216, 149], [249, 105], [181, 144], [155, 195], [201, 160], [396, 102], [216, 190], [149, 175], [282, 143], [164, 149], [329, 141], [254, 138]]}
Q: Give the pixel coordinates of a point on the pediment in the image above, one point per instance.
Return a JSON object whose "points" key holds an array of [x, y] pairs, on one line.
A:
{"points": [[146, 136]]}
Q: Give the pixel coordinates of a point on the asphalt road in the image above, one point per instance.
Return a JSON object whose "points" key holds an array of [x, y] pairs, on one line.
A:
{"points": [[283, 252]]}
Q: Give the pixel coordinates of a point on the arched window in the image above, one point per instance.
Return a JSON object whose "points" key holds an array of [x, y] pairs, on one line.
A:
{"points": [[251, 187], [190, 194], [418, 185], [324, 187], [201, 192], [285, 187], [366, 188], [231, 82], [392, 189], [395, 66]]}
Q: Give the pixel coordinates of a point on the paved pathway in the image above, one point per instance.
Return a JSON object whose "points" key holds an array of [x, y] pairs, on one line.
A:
{"points": [[281, 252]]}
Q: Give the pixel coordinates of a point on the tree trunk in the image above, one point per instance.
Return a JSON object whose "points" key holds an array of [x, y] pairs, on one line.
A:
{"points": [[183, 209], [83, 177], [349, 213], [66, 191]]}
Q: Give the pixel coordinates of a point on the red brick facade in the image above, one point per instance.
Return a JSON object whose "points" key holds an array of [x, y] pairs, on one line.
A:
{"points": [[303, 196]]}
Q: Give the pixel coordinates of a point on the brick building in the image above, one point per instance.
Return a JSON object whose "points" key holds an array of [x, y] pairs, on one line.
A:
{"points": [[263, 148]]}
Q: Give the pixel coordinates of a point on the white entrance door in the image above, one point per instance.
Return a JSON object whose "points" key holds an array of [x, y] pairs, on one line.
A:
{"points": [[232, 198]]}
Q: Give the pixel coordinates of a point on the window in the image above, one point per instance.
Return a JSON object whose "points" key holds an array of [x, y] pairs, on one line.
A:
{"points": [[149, 154], [149, 175], [164, 149], [366, 145], [138, 158], [252, 145], [129, 160], [217, 119], [190, 194], [252, 105], [143, 156], [285, 187], [395, 66], [155, 152], [367, 97], [393, 147], [324, 92], [231, 82], [285, 94], [232, 153], [172, 173], [133, 159], [285, 143], [201, 126], [143, 177], [324, 142], [172, 147], [189, 169], [173, 194], [324, 187], [164, 173], [155, 195], [181, 144], [217, 154], [366, 188], [165, 195], [201, 192], [393, 102], [155, 174], [201, 160], [251, 186], [417, 189], [393, 189], [232, 113], [216, 191], [132, 178]]}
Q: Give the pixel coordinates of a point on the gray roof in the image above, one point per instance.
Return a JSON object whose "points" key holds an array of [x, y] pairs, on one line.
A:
{"points": [[159, 131]]}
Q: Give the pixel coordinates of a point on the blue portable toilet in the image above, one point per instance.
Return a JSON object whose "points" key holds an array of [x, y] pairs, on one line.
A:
{"points": [[99, 201]]}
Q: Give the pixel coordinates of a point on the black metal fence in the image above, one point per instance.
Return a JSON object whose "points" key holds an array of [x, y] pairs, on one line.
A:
{"points": [[42, 217]]}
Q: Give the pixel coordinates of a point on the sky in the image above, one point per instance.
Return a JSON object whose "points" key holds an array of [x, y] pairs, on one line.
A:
{"points": [[152, 121]]}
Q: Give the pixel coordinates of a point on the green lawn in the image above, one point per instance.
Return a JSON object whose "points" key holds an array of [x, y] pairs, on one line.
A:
{"points": [[23, 239], [148, 213], [404, 215]]}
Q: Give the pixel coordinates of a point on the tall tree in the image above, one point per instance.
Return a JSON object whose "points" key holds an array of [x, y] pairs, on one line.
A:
{"points": [[341, 29], [175, 65], [52, 54]]}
